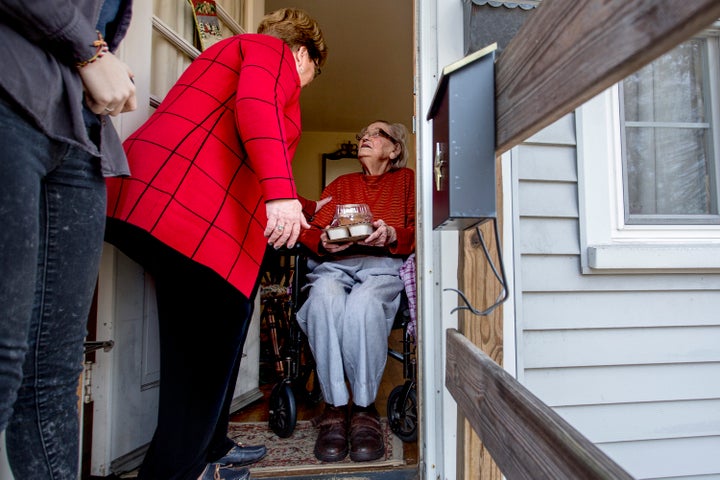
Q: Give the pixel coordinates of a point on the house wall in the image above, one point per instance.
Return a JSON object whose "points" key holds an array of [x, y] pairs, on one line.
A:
{"points": [[631, 360]]}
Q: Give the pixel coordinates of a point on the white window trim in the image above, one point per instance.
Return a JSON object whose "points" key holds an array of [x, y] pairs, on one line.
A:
{"points": [[608, 245]]}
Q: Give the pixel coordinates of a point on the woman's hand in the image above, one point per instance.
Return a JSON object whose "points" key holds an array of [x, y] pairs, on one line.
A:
{"points": [[285, 219], [109, 88], [383, 235]]}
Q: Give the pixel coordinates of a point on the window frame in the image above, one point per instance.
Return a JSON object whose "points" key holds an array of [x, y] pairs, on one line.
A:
{"points": [[608, 243], [712, 94]]}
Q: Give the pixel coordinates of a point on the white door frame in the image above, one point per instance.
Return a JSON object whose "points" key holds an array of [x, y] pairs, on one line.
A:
{"points": [[439, 33]]}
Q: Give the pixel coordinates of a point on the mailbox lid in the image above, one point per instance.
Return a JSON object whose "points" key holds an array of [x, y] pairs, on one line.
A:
{"points": [[448, 70]]}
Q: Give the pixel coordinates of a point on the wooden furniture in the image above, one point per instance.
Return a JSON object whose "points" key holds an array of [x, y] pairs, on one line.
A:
{"points": [[341, 161]]}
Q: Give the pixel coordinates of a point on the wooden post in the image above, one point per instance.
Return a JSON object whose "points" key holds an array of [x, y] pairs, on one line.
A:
{"points": [[478, 283]]}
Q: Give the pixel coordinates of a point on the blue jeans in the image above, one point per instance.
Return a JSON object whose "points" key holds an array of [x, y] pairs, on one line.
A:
{"points": [[52, 216]]}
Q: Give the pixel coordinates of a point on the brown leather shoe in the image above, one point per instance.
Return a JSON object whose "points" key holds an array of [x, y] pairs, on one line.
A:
{"points": [[331, 444], [366, 436]]}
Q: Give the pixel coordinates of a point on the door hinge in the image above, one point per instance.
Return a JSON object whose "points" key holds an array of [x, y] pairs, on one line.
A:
{"points": [[87, 383], [91, 346]]}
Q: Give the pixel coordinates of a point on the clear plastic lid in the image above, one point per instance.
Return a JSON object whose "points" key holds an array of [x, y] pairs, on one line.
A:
{"points": [[351, 213]]}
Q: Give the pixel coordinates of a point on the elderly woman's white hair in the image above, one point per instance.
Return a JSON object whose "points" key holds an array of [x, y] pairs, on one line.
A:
{"points": [[399, 133]]}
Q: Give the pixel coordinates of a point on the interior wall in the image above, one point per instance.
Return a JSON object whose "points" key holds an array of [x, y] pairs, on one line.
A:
{"points": [[369, 69], [307, 165]]}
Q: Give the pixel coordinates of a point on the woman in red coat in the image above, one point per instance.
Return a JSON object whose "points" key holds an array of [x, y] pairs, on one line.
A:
{"points": [[211, 187]]}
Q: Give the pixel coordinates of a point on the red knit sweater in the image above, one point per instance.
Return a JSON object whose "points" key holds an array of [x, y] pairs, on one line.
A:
{"points": [[391, 198]]}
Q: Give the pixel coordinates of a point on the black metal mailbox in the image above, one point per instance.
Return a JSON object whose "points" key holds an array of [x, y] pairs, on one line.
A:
{"points": [[463, 116]]}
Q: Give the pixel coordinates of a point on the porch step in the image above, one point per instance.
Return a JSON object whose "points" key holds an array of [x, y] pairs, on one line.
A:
{"points": [[390, 474]]}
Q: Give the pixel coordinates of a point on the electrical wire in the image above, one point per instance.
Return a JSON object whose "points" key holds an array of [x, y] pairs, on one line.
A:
{"points": [[500, 276]]}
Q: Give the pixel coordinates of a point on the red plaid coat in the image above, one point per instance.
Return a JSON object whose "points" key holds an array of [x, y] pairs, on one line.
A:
{"points": [[218, 147]]}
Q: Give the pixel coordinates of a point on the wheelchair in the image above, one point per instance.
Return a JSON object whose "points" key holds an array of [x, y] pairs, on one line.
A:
{"points": [[295, 365]]}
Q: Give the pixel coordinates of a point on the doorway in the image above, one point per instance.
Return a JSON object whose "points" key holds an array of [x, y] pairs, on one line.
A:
{"points": [[338, 104], [368, 76]]}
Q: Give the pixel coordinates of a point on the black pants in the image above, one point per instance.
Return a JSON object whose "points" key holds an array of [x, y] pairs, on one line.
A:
{"points": [[203, 325]]}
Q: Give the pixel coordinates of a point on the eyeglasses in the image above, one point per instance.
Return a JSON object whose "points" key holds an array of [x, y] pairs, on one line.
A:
{"points": [[374, 134]]}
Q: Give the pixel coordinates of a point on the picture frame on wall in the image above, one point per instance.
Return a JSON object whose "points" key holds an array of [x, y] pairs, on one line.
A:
{"points": [[341, 161]]}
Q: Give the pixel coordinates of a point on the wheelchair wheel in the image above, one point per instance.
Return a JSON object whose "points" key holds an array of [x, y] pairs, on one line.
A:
{"points": [[283, 411], [402, 412]]}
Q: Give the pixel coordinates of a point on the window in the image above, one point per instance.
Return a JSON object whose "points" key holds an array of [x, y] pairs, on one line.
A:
{"points": [[669, 156], [649, 166]]}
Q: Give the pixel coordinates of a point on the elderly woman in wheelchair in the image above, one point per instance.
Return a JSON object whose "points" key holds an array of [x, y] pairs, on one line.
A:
{"points": [[354, 290]]}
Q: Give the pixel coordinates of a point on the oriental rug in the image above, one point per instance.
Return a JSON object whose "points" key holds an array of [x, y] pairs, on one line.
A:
{"points": [[295, 453]]}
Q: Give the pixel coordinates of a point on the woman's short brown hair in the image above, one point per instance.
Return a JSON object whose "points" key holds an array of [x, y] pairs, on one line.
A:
{"points": [[298, 29]]}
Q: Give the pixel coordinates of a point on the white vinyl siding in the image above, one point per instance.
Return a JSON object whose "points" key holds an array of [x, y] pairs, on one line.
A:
{"points": [[632, 358]]}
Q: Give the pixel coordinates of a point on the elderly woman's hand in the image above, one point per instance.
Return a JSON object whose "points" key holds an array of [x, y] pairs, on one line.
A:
{"points": [[321, 203], [383, 235], [332, 247]]}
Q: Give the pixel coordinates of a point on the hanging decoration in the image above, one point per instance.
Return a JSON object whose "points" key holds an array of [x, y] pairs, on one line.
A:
{"points": [[206, 22]]}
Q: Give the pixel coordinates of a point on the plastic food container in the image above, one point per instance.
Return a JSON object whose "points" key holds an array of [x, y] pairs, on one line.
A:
{"points": [[352, 222]]}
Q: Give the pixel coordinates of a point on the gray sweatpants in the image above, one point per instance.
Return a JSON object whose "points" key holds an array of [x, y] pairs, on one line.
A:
{"points": [[347, 318]]}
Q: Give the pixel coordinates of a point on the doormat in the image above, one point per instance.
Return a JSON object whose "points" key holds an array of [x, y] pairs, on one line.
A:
{"points": [[295, 453]]}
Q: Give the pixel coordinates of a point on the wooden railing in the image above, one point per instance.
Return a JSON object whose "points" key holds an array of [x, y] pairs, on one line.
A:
{"points": [[525, 437]]}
